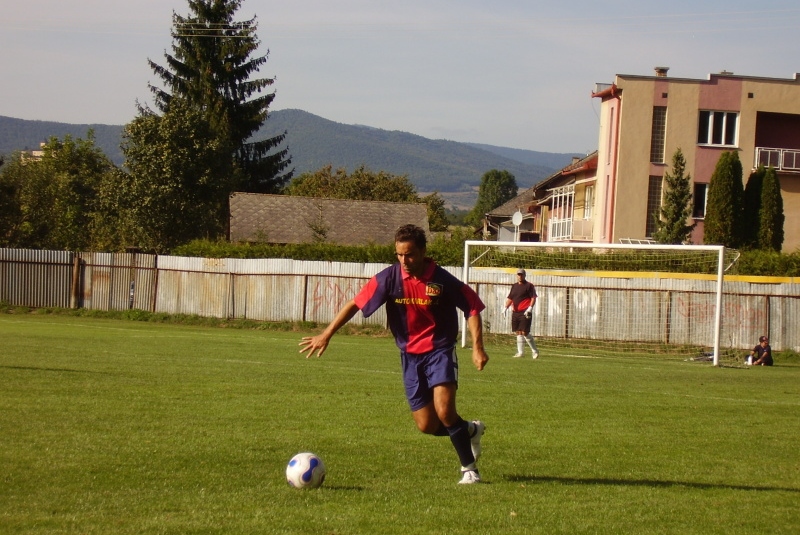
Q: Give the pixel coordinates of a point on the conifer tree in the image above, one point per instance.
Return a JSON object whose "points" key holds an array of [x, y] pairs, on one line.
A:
{"points": [[752, 207], [671, 227], [724, 222], [210, 68], [771, 217]]}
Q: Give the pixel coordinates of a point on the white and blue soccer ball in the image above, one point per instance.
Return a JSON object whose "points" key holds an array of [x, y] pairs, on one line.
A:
{"points": [[305, 471]]}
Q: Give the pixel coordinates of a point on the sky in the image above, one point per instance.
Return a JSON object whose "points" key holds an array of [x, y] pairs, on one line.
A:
{"points": [[511, 73]]}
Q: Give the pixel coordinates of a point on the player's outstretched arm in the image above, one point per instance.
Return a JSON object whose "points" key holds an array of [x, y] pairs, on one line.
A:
{"points": [[479, 356], [319, 343]]}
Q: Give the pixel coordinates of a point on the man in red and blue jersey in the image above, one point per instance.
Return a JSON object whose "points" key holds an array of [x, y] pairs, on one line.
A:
{"points": [[421, 301]]}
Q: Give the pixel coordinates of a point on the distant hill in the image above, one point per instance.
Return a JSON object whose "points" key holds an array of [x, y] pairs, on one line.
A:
{"points": [[314, 142], [21, 134]]}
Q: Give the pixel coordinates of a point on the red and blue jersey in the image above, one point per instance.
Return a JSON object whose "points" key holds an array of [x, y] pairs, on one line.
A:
{"points": [[421, 311]]}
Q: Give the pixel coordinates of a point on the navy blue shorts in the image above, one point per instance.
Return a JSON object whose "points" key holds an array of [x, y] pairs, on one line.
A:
{"points": [[422, 372]]}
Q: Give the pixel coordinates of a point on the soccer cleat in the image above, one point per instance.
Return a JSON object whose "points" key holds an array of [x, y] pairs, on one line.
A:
{"points": [[535, 354], [468, 477], [478, 428], [518, 355]]}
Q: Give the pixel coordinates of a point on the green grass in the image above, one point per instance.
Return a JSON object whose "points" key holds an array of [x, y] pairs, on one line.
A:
{"points": [[114, 426]]}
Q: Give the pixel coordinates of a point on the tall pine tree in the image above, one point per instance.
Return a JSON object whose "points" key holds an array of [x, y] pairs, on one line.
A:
{"points": [[210, 68], [724, 222], [671, 227], [752, 207], [771, 218]]}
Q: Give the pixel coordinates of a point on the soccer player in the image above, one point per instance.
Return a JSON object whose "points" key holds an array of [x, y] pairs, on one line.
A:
{"points": [[421, 301], [522, 297]]}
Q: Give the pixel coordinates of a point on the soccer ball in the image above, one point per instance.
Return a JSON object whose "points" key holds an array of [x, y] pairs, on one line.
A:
{"points": [[305, 471]]}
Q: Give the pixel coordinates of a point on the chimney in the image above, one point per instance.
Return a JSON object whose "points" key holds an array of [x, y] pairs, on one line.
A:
{"points": [[661, 72]]}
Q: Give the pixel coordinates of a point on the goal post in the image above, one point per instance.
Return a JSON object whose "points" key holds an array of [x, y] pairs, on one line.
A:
{"points": [[601, 299]]}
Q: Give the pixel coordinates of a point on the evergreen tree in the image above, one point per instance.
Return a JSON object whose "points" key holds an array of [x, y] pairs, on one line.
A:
{"points": [[771, 217], [496, 188], [724, 223], [752, 207], [671, 227], [210, 68]]}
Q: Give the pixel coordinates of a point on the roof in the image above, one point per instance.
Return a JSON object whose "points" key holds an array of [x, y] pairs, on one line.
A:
{"points": [[290, 219], [537, 192]]}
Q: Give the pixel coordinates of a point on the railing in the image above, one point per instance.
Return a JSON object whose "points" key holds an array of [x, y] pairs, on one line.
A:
{"points": [[559, 229], [780, 159], [570, 229]]}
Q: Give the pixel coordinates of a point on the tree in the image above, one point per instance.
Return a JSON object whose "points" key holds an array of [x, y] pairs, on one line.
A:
{"points": [[50, 202], [724, 222], [437, 213], [497, 187], [178, 182], [366, 185], [771, 217], [752, 207], [210, 69], [671, 227]]}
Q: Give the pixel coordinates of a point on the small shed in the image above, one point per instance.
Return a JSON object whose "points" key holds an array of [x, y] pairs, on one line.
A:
{"points": [[266, 218]]}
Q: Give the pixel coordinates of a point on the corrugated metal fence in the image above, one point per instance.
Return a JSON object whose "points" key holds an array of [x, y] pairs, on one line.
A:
{"points": [[608, 308]]}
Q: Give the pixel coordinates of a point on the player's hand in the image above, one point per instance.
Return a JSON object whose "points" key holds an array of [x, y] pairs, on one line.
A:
{"points": [[479, 358], [528, 313], [310, 344]]}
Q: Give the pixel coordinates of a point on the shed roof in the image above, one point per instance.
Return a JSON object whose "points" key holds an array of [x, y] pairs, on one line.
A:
{"points": [[259, 217]]}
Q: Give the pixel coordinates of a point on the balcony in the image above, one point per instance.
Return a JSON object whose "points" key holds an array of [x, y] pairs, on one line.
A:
{"points": [[781, 159], [569, 229]]}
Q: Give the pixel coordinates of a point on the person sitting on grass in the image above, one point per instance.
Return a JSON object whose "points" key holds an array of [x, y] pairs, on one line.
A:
{"points": [[761, 355]]}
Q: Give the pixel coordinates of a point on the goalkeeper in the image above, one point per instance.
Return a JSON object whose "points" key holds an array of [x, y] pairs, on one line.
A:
{"points": [[522, 297]]}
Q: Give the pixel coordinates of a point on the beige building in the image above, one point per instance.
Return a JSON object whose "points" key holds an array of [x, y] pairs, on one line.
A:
{"points": [[644, 119], [612, 195]]}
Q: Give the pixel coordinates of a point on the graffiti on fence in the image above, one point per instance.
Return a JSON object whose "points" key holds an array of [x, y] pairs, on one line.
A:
{"points": [[733, 313], [331, 294]]}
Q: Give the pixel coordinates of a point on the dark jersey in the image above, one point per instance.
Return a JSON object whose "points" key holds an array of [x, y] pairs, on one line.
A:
{"points": [[760, 351], [522, 295], [421, 312]]}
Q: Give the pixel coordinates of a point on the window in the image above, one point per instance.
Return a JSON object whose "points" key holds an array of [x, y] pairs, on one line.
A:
{"points": [[588, 203], [717, 128], [658, 134], [699, 202], [653, 205]]}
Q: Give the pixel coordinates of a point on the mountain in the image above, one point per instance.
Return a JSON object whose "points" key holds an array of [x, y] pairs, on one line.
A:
{"points": [[314, 142], [21, 134], [429, 164]]}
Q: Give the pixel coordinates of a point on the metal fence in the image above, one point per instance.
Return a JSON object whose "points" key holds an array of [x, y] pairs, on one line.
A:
{"points": [[293, 290]]}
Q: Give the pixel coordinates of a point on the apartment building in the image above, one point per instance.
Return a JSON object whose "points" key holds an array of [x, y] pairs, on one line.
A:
{"points": [[644, 119]]}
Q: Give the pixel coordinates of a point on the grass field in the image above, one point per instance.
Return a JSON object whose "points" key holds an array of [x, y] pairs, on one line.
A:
{"points": [[110, 426]]}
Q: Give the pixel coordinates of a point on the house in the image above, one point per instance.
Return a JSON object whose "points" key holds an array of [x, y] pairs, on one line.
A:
{"points": [[559, 208], [289, 219], [644, 119], [614, 194]]}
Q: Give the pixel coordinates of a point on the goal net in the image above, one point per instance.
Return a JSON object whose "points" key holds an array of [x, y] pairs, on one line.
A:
{"points": [[607, 299]]}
